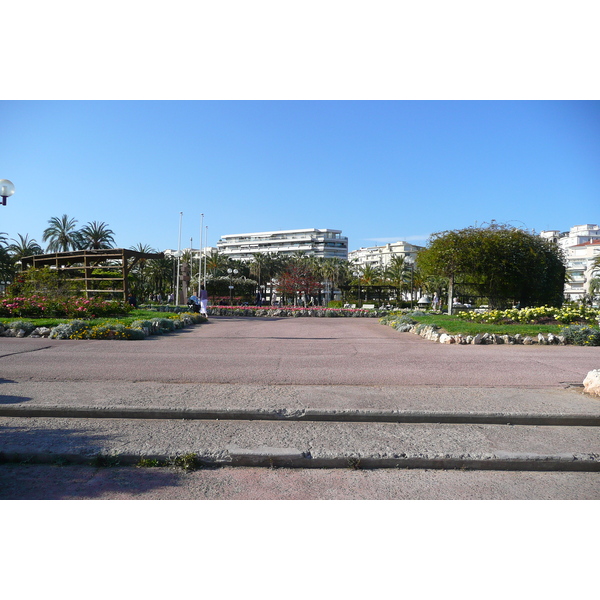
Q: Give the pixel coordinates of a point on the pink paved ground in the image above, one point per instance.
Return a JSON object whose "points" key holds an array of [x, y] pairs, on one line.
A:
{"points": [[295, 351]]}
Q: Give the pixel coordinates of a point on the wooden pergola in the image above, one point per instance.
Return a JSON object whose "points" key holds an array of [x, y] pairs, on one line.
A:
{"points": [[86, 266]]}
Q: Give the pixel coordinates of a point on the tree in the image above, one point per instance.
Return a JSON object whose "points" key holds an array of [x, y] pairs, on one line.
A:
{"points": [[96, 236], [139, 283], [398, 273], [369, 275], [217, 263], [61, 234], [160, 275], [24, 247], [594, 289], [299, 279], [7, 264], [498, 262]]}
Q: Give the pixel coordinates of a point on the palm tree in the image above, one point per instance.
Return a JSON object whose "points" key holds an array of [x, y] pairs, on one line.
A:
{"points": [[217, 263], [369, 274], [24, 247], [594, 287], [259, 266], [7, 265], [97, 236], [139, 280], [61, 234], [398, 274], [161, 274]]}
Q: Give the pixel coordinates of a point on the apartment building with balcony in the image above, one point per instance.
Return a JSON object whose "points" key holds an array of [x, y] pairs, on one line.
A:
{"points": [[581, 245], [380, 256], [324, 243]]}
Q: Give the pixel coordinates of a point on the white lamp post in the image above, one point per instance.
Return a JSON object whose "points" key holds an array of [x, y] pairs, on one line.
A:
{"points": [[231, 272], [7, 189]]}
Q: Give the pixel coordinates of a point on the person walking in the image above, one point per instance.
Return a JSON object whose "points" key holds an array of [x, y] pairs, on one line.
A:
{"points": [[194, 303], [203, 301]]}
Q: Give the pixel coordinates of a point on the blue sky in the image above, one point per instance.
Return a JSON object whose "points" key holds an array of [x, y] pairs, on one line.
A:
{"points": [[378, 170]]}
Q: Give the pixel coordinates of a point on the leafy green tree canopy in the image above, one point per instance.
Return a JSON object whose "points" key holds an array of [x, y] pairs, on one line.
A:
{"points": [[502, 263]]}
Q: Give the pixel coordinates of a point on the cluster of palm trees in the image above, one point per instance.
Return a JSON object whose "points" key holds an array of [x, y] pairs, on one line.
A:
{"points": [[61, 235]]}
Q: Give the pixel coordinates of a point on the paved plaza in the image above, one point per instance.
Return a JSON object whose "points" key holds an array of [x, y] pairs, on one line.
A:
{"points": [[334, 408]]}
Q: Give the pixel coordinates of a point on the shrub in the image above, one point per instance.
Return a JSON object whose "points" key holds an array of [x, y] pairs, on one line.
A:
{"points": [[68, 331], [24, 325], [164, 325], [335, 304], [140, 324], [581, 335], [112, 331]]}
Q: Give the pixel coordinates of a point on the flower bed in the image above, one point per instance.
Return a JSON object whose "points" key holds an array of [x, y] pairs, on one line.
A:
{"points": [[540, 314], [71, 308], [78, 329], [292, 311]]}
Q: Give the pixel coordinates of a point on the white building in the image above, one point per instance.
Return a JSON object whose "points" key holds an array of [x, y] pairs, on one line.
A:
{"points": [[380, 256], [195, 252], [581, 245], [325, 243]]}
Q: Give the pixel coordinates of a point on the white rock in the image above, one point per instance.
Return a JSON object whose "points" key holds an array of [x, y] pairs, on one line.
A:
{"points": [[591, 384]]}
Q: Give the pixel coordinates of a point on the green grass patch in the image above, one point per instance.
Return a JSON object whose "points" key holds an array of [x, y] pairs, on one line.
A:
{"points": [[453, 325], [128, 319]]}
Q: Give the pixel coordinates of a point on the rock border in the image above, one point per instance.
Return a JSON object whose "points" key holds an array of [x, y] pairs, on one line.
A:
{"points": [[432, 333]]}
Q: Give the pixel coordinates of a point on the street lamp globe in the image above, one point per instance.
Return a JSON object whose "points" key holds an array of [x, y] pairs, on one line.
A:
{"points": [[7, 189]]}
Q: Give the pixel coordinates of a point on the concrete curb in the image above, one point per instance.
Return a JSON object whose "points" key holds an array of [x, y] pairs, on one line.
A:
{"points": [[293, 458], [348, 416]]}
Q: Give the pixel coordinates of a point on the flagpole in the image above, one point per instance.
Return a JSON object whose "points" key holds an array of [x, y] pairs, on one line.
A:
{"points": [[178, 260], [206, 243], [200, 257]]}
